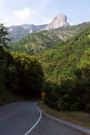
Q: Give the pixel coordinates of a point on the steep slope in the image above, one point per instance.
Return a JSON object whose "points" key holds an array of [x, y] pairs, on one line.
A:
{"points": [[58, 22], [67, 74], [36, 42], [66, 33], [59, 62], [18, 32]]}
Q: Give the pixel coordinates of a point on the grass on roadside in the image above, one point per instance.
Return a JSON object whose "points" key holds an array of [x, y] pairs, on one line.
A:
{"points": [[79, 118]]}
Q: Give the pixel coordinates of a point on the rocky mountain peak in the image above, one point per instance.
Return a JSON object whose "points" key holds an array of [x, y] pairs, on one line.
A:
{"points": [[20, 31], [59, 21]]}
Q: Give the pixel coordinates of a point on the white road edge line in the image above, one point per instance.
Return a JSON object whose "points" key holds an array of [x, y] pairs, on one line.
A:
{"points": [[30, 130]]}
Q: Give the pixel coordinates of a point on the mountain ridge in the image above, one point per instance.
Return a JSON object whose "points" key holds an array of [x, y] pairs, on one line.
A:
{"points": [[37, 42], [20, 31]]}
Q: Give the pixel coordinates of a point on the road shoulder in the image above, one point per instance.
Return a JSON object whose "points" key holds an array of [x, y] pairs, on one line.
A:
{"points": [[69, 124]]}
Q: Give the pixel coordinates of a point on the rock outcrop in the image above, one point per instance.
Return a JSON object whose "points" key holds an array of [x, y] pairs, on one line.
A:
{"points": [[58, 22], [18, 32]]}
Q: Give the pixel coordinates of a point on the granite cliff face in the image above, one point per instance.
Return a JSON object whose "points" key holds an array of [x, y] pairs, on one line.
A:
{"points": [[18, 32], [58, 22]]}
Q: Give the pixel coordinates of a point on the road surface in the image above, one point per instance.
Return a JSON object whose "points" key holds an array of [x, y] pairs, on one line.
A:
{"points": [[24, 118]]}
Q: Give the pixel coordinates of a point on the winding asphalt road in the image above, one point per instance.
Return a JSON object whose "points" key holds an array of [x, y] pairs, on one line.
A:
{"points": [[24, 118]]}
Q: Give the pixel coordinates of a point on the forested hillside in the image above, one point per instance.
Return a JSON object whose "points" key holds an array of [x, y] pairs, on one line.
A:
{"points": [[62, 59], [66, 67], [67, 72], [36, 42], [20, 75]]}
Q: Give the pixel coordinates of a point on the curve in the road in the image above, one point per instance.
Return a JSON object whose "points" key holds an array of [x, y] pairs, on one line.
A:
{"points": [[25, 118], [19, 117], [30, 130]]}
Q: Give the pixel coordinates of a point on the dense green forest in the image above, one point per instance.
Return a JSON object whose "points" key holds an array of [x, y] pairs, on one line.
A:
{"points": [[64, 61], [35, 42], [20, 75], [60, 61], [67, 73], [5, 94]]}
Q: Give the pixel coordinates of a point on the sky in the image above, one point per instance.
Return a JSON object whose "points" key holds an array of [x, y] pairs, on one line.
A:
{"points": [[17, 12]]}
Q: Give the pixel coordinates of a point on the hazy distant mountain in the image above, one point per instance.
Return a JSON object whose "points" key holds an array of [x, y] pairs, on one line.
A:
{"points": [[20, 31]]}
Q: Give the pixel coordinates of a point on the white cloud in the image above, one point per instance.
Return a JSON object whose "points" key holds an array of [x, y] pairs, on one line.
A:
{"points": [[24, 13], [15, 15]]}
